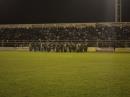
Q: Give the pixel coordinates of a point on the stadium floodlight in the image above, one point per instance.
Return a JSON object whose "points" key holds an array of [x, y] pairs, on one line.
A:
{"points": [[118, 10]]}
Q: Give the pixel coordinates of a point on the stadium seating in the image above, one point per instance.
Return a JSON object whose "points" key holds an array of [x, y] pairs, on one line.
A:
{"points": [[65, 39]]}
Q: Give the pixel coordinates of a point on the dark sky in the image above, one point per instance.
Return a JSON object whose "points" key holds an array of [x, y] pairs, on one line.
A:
{"points": [[53, 11]]}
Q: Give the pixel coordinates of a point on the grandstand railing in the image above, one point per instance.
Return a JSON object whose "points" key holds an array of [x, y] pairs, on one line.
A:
{"points": [[90, 43]]}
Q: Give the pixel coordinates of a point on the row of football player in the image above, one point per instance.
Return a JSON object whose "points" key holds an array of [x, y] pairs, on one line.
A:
{"points": [[59, 47]]}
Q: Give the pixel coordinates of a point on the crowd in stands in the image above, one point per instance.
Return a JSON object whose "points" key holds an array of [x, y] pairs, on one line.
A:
{"points": [[64, 39]]}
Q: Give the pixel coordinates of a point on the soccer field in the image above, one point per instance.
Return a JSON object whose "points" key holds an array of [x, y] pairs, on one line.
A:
{"points": [[26, 74]]}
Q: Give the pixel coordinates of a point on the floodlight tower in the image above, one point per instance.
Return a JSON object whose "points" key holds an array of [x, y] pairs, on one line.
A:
{"points": [[118, 10]]}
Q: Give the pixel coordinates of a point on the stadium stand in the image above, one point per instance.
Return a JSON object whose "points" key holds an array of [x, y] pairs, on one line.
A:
{"points": [[66, 38]]}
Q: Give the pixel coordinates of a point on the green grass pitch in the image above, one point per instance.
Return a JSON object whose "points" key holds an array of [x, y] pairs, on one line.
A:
{"points": [[26, 74]]}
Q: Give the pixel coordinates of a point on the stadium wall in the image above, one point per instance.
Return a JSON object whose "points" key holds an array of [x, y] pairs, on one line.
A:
{"points": [[122, 50], [104, 49], [14, 48], [91, 49]]}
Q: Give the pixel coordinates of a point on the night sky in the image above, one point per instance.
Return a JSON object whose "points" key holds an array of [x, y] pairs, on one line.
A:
{"points": [[56, 11]]}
